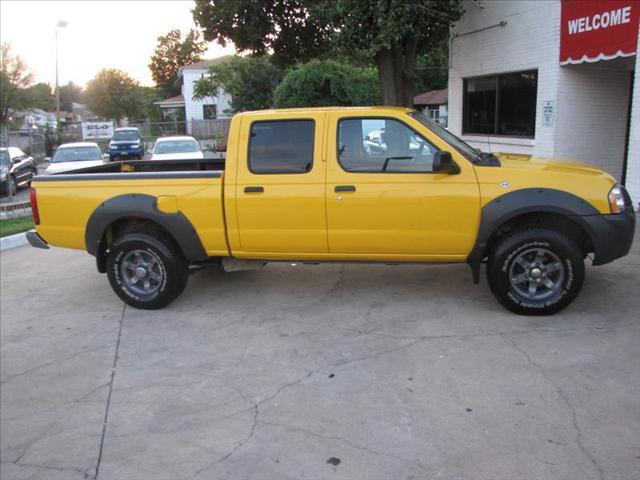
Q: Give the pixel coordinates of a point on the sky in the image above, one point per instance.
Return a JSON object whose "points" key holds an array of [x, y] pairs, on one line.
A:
{"points": [[99, 34]]}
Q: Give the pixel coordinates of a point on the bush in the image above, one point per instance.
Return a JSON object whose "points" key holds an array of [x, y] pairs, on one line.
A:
{"points": [[327, 83]]}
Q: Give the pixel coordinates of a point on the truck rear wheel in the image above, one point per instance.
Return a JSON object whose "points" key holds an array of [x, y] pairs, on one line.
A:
{"points": [[146, 270], [535, 271]]}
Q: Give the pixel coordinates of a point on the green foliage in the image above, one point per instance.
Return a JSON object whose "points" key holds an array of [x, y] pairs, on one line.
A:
{"points": [[14, 76], [148, 111], [390, 32], [171, 53], [325, 83], [432, 71], [112, 94], [288, 28], [38, 96], [70, 93], [249, 80]]}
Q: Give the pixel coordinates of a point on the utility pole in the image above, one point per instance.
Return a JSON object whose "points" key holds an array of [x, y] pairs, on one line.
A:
{"points": [[60, 24]]}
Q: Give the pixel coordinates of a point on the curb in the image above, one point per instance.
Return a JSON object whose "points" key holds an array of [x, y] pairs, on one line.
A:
{"points": [[13, 241]]}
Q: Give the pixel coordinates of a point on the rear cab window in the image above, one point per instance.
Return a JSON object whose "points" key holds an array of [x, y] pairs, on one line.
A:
{"points": [[281, 146]]}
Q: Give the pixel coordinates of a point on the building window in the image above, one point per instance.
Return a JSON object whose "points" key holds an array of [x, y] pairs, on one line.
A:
{"points": [[501, 104], [209, 112], [434, 114], [281, 146]]}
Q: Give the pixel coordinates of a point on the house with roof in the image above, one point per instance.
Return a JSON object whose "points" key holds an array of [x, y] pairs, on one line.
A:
{"points": [[434, 104], [184, 106]]}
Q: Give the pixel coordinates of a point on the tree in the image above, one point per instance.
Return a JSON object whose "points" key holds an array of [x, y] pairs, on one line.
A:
{"points": [[392, 32], [114, 95], [14, 75], [287, 28], [70, 93], [432, 72], [324, 83], [171, 53], [37, 96], [249, 80]]}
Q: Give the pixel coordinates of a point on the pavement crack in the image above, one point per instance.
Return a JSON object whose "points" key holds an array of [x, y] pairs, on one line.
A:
{"points": [[561, 393], [113, 376]]}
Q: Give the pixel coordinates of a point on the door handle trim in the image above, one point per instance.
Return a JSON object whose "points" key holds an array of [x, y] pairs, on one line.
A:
{"points": [[253, 189], [345, 188]]}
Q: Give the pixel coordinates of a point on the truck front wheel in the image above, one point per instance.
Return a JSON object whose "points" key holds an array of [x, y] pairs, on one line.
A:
{"points": [[146, 270], [535, 271]]}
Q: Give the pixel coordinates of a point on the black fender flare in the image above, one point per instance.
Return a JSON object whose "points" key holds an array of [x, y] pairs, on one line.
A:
{"points": [[529, 200], [143, 207]]}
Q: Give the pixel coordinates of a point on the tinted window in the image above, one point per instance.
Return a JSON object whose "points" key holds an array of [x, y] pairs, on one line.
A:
{"points": [[281, 146], [501, 104], [126, 135], [76, 154], [177, 146], [379, 145]]}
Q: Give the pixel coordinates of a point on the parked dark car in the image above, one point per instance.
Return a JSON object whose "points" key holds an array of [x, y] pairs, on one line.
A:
{"points": [[126, 142], [17, 169]]}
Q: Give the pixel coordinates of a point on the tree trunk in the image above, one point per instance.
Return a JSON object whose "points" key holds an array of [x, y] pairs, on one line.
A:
{"points": [[396, 71]]}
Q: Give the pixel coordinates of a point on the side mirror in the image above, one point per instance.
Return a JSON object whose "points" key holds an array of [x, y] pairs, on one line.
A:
{"points": [[47, 159], [17, 160], [443, 163], [105, 156]]}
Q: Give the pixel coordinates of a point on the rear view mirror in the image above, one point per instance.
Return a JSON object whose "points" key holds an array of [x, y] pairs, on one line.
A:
{"points": [[443, 163]]}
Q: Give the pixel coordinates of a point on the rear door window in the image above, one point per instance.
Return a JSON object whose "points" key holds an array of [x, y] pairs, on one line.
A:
{"points": [[281, 146]]}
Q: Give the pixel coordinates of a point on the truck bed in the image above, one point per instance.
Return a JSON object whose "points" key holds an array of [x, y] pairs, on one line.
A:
{"points": [[193, 188]]}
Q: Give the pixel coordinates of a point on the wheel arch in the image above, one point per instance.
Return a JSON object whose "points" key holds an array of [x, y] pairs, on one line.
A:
{"points": [[114, 215], [538, 206]]}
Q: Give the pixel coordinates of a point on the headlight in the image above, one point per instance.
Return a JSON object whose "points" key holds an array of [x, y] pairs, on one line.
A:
{"points": [[616, 199]]}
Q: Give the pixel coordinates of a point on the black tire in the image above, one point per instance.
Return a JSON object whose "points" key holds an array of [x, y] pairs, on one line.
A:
{"points": [[160, 251], [545, 263]]}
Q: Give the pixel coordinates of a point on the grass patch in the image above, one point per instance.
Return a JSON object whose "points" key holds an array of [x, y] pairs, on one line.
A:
{"points": [[15, 225]]}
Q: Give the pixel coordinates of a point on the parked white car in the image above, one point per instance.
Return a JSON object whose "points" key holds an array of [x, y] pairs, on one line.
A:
{"points": [[73, 156], [176, 148]]}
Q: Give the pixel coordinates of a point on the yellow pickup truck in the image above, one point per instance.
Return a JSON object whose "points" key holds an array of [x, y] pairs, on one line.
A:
{"points": [[376, 184]]}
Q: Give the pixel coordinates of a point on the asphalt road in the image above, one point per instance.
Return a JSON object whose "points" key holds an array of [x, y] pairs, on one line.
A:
{"points": [[325, 372]]}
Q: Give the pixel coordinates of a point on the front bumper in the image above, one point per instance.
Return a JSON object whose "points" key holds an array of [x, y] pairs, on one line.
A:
{"points": [[125, 152], [612, 235], [36, 240]]}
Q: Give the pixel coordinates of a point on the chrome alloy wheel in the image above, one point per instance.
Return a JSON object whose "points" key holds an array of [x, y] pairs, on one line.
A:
{"points": [[141, 272], [536, 274]]}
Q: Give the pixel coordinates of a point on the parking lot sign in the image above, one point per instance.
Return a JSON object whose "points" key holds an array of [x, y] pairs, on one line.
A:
{"points": [[97, 130]]}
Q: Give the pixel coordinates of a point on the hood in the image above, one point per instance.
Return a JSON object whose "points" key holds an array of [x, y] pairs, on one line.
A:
{"points": [[178, 156], [59, 167], [525, 162]]}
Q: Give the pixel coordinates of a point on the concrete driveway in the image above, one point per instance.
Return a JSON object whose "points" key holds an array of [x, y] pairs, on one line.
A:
{"points": [[326, 372]]}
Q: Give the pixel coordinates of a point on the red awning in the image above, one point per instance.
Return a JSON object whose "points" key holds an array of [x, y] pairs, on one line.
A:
{"points": [[594, 30]]}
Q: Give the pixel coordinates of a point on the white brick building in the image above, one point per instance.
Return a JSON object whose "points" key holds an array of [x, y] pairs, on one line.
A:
{"points": [[509, 92]]}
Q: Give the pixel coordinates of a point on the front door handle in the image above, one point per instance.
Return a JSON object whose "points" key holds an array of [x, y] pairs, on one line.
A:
{"points": [[253, 189], [345, 188]]}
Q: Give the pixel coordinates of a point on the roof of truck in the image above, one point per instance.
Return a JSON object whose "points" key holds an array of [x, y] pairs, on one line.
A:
{"points": [[328, 109]]}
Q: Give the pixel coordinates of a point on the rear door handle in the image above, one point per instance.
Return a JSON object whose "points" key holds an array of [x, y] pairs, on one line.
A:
{"points": [[345, 188], [253, 189]]}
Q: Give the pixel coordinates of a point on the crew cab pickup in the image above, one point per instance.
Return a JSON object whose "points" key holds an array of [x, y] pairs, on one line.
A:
{"points": [[377, 184]]}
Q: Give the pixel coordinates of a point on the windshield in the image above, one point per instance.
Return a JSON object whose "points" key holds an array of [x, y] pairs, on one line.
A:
{"points": [[4, 158], [76, 154], [461, 147], [177, 146], [126, 135]]}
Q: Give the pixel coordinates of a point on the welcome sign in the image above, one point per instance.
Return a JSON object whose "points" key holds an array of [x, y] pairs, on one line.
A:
{"points": [[594, 30]]}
